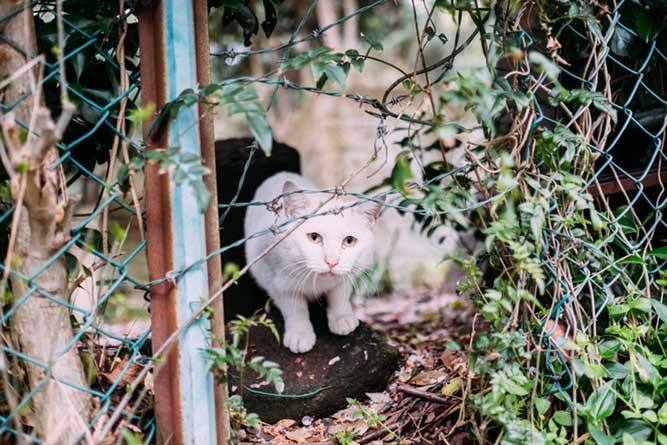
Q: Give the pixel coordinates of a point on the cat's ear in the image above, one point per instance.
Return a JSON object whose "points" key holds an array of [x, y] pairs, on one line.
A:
{"points": [[371, 209], [296, 204]]}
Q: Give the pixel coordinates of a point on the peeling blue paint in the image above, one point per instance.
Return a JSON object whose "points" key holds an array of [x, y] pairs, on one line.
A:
{"points": [[189, 243]]}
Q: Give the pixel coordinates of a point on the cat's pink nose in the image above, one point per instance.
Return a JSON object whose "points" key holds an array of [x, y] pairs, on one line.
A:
{"points": [[331, 263]]}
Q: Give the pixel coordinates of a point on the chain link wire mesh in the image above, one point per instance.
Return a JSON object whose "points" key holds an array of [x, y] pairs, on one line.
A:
{"points": [[102, 252], [616, 131], [595, 277]]}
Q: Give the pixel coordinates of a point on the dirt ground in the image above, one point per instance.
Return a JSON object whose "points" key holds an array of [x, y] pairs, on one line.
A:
{"points": [[422, 403]]}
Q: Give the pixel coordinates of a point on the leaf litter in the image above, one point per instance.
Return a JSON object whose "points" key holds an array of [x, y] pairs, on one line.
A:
{"points": [[422, 403]]}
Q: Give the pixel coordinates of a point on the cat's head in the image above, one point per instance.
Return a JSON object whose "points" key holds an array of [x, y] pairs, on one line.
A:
{"points": [[331, 244]]}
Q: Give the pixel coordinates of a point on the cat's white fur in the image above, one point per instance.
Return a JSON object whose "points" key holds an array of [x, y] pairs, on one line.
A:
{"points": [[300, 269]]}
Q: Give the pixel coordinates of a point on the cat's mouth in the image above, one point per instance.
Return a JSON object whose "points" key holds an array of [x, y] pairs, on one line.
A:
{"points": [[328, 274]]}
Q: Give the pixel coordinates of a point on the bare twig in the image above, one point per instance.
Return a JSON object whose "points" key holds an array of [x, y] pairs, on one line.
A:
{"points": [[424, 394]]}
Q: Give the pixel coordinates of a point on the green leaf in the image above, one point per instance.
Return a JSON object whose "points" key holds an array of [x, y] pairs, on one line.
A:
{"points": [[261, 130], [72, 266], [541, 405], [356, 60], [647, 372], [401, 174], [648, 25], [660, 309], [618, 309], [563, 418], [599, 436], [141, 114], [637, 429], [617, 371], [662, 438], [202, 195], [130, 437], [660, 252], [602, 403], [641, 305], [579, 367], [662, 414], [650, 416], [335, 73], [118, 232], [544, 65], [373, 42], [609, 348], [514, 388], [633, 259], [92, 238], [317, 68]]}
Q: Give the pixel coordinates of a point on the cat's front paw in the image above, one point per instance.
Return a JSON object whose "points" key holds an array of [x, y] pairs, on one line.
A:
{"points": [[299, 340], [343, 324]]}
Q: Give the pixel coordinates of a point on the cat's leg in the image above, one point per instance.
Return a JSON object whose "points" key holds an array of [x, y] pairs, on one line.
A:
{"points": [[299, 334], [340, 314]]}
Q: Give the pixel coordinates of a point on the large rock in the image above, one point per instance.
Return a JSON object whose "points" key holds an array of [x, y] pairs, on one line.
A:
{"points": [[317, 382]]}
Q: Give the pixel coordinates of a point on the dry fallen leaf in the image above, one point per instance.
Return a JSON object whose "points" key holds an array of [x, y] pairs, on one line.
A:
{"points": [[452, 387], [428, 378], [360, 426], [127, 377], [381, 398], [345, 414], [285, 423], [447, 358], [300, 436]]}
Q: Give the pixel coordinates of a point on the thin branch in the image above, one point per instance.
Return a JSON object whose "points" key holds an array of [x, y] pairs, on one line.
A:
{"points": [[424, 394]]}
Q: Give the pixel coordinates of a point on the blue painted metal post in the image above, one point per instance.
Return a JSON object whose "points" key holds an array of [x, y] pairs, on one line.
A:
{"points": [[189, 242], [185, 405]]}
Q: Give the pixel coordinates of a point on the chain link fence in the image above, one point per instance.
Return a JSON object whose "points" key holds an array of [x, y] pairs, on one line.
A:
{"points": [[561, 175], [92, 263]]}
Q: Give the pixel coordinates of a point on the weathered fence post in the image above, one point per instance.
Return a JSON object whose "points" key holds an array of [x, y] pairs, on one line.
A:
{"points": [[207, 140], [184, 390]]}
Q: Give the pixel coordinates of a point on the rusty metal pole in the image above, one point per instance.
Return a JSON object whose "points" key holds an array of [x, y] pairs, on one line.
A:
{"points": [[185, 404], [207, 142], [156, 187]]}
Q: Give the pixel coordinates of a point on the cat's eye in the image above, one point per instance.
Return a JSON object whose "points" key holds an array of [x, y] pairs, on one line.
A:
{"points": [[349, 241], [315, 237]]}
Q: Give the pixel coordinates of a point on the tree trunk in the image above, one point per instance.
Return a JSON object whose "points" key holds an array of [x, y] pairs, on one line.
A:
{"points": [[351, 26], [41, 326], [326, 15]]}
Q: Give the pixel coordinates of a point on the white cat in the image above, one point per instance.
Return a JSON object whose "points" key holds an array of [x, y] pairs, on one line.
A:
{"points": [[320, 257]]}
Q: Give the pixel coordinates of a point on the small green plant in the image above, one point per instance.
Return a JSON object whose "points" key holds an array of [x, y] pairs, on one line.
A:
{"points": [[240, 417], [346, 437], [373, 419], [326, 65], [233, 355]]}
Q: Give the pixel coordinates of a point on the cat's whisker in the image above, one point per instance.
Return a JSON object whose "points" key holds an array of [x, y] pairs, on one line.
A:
{"points": [[362, 281], [302, 283], [292, 266], [293, 273], [304, 280], [362, 272], [295, 283], [352, 283]]}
